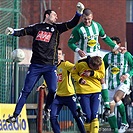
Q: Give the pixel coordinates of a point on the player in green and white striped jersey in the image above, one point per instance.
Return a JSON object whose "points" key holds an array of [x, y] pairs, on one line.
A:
{"points": [[84, 41], [120, 70], [84, 37]]}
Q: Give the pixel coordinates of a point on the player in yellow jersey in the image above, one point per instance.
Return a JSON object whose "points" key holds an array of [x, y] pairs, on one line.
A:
{"points": [[87, 74], [65, 95]]}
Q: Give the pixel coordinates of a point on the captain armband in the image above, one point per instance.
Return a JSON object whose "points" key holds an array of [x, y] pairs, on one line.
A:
{"points": [[103, 37]]}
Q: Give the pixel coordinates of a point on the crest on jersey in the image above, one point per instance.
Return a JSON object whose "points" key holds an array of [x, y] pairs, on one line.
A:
{"points": [[71, 36], [60, 70], [52, 29]]}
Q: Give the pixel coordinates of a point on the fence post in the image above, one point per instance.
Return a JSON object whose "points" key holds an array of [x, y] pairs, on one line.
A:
{"points": [[40, 110]]}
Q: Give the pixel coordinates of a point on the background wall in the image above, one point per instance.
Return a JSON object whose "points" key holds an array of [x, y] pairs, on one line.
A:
{"points": [[111, 14]]}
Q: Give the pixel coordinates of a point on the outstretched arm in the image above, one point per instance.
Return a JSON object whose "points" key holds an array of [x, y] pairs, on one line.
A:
{"points": [[20, 32], [62, 27]]}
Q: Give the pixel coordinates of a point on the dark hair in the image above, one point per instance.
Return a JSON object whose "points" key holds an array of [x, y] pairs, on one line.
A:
{"points": [[117, 39], [95, 61], [59, 49], [46, 12], [87, 11]]}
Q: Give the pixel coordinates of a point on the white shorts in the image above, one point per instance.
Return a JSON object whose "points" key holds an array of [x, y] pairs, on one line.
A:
{"points": [[122, 87]]}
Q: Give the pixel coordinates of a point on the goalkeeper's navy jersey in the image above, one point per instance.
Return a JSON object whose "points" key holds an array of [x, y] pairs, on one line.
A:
{"points": [[46, 39], [118, 64]]}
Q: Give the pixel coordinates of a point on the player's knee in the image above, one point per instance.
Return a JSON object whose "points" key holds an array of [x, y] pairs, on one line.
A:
{"points": [[117, 99]]}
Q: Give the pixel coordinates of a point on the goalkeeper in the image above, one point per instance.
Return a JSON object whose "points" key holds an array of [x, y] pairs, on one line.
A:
{"points": [[46, 36]]}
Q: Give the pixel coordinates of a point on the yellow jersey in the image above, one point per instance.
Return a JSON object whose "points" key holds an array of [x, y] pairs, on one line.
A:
{"points": [[93, 84], [65, 85]]}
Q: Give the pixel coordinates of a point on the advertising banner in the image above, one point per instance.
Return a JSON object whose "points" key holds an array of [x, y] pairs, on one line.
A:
{"points": [[20, 126]]}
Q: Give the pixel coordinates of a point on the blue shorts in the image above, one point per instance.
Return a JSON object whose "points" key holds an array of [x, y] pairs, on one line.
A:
{"points": [[35, 72], [89, 104]]}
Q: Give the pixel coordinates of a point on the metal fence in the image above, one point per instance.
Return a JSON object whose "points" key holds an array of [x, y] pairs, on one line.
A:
{"points": [[9, 17]]}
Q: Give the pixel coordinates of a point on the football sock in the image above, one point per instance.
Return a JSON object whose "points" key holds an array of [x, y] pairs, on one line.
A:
{"points": [[87, 127], [105, 96], [94, 126], [113, 122], [121, 109]]}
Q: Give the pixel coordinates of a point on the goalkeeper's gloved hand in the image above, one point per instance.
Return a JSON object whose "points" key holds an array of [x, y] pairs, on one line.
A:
{"points": [[80, 8], [9, 31]]}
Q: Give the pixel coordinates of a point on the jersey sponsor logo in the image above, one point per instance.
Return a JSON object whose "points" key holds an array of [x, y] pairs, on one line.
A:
{"points": [[115, 64], [59, 77], [92, 43], [92, 36], [115, 70], [44, 36]]}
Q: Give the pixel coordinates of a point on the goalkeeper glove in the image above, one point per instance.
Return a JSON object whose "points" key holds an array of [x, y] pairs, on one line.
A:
{"points": [[9, 31], [80, 8]]}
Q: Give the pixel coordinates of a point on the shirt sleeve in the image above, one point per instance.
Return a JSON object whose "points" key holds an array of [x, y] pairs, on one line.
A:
{"points": [[24, 31], [69, 66], [62, 27], [128, 56], [105, 59], [75, 73], [74, 39], [106, 38]]}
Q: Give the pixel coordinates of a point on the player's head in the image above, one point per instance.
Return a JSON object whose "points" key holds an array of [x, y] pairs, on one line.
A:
{"points": [[50, 16], [94, 62], [60, 55], [87, 16], [117, 41]]}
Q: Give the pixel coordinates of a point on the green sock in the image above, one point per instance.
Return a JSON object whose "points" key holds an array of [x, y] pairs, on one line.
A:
{"points": [[105, 98], [113, 123], [121, 109]]}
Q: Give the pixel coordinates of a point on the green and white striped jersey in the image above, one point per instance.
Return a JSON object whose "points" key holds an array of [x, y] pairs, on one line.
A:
{"points": [[86, 37], [118, 64]]}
